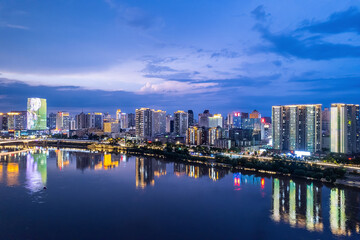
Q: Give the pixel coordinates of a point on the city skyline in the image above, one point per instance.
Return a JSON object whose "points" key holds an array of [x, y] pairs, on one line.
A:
{"points": [[241, 56]]}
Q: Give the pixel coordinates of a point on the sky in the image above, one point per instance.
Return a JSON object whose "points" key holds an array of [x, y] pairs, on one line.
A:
{"points": [[232, 55]]}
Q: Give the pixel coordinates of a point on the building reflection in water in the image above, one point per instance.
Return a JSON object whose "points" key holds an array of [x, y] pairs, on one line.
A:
{"points": [[36, 170], [144, 174], [240, 179], [297, 204], [62, 159], [12, 171], [344, 212], [97, 161], [192, 171]]}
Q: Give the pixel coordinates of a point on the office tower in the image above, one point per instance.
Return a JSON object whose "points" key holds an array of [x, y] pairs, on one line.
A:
{"points": [[144, 123], [180, 123], [80, 121], [36, 114], [62, 121], [123, 121], [190, 118], [204, 119], [241, 137], [345, 128], [297, 127], [131, 120], [51, 121], [215, 121], [17, 120], [159, 121], [169, 123]]}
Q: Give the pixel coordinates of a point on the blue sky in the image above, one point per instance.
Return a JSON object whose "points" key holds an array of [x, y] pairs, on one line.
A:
{"points": [[101, 55]]}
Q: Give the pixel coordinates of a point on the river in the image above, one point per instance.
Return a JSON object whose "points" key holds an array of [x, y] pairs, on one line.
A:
{"points": [[76, 194]]}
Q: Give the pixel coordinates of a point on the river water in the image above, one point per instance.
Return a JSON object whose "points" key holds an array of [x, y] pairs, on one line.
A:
{"points": [[109, 196]]}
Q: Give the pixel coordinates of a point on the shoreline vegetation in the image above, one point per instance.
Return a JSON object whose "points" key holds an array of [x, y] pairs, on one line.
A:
{"points": [[331, 175]]}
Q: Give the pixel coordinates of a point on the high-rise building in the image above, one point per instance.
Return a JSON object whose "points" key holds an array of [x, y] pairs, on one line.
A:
{"points": [[345, 128], [51, 121], [62, 121], [123, 121], [297, 127], [144, 123], [326, 128], [190, 118], [255, 114], [81, 121], [72, 123], [17, 120], [215, 121], [95, 120], [131, 120], [180, 123], [266, 129], [36, 114], [169, 123], [118, 115], [159, 122], [196, 135], [204, 119], [3, 121]]}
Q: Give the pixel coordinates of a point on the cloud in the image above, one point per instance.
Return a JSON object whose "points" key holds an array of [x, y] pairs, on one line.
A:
{"points": [[259, 13], [14, 26], [226, 53], [339, 22], [176, 87], [288, 45]]}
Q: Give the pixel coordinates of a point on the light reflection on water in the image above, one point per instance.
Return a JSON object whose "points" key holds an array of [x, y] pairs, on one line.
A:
{"points": [[296, 203]]}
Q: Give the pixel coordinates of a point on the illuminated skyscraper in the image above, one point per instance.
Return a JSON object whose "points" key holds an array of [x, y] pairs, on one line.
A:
{"points": [[144, 122], [345, 128], [17, 120], [36, 114], [51, 121], [215, 121], [297, 127], [180, 123], [62, 121], [159, 121]]}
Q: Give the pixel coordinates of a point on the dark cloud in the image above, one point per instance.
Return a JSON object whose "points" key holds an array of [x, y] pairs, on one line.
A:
{"points": [[259, 13], [339, 22], [289, 44]]}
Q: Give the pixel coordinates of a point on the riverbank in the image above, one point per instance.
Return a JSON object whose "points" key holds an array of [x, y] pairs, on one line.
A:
{"points": [[311, 171]]}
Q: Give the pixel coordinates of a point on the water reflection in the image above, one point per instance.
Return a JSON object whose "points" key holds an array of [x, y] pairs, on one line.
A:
{"points": [[297, 204], [36, 171]]}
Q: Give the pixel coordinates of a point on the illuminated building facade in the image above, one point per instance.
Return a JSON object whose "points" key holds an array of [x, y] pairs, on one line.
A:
{"points": [[3, 121], [204, 119], [345, 128], [17, 120], [297, 127], [36, 114], [144, 123], [180, 123], [159, 121], [216, 121], [51, 121], [62, 121], [196, 136]]}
